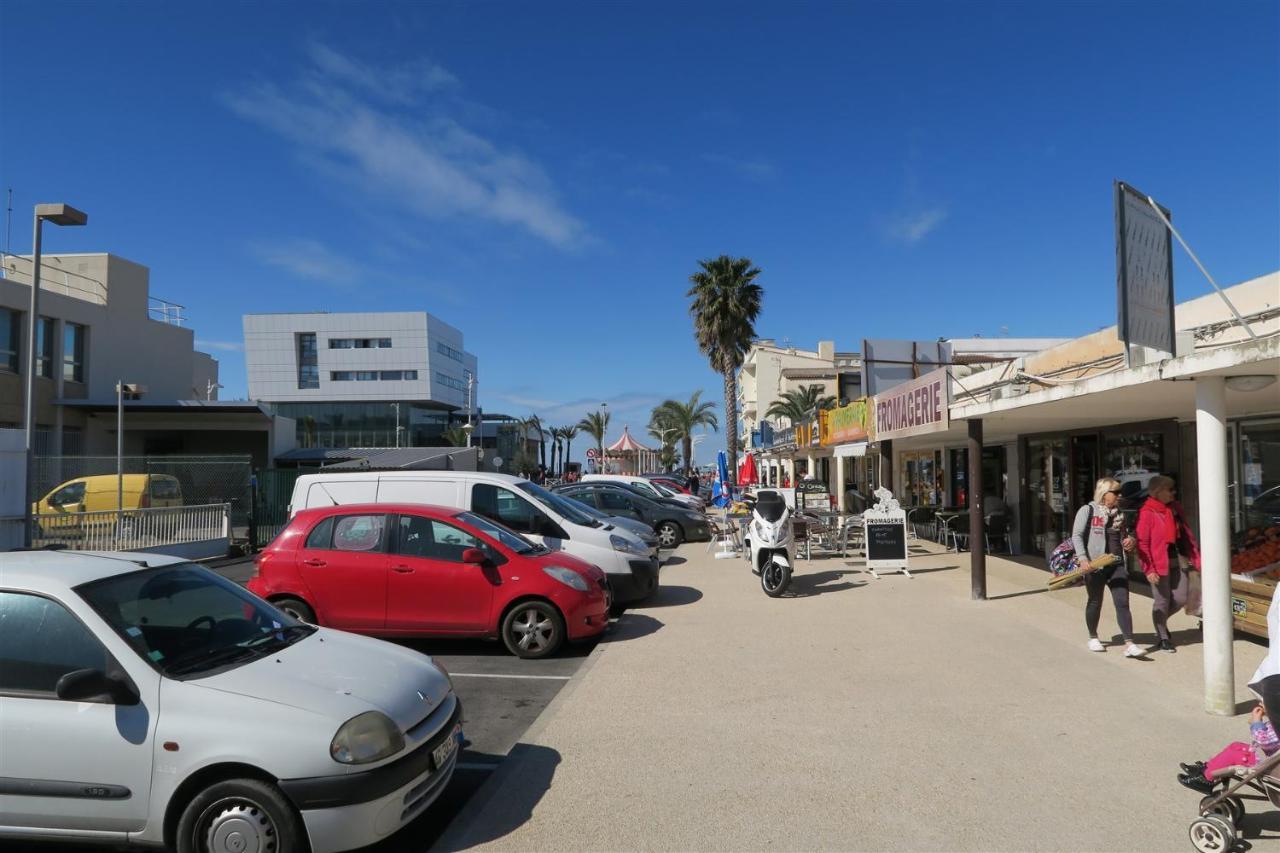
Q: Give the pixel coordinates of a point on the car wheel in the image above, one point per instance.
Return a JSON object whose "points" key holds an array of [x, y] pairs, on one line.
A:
{"points": [[296, 608], [533, 629], [239, 815], [669, 534]]}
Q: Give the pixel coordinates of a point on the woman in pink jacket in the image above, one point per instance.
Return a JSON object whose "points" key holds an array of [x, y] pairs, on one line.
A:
{"points": [[1167, 551]]}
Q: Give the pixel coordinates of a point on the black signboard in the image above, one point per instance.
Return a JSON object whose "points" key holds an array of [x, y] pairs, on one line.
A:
{"points": [[886, 541]]}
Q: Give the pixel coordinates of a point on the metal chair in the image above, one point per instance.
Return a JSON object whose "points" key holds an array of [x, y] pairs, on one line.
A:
{"points": [[997, 528]]}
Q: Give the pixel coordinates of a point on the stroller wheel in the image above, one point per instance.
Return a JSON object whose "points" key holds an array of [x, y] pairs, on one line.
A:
{"points": [[1212, 834], [1231, 809]]}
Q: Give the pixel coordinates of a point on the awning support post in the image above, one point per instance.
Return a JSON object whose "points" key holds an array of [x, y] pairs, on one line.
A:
{"points": [[1215, 546], [977, 526]]}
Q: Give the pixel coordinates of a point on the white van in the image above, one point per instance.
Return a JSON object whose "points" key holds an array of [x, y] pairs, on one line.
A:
{"points": [[650, 489], [530, 510]]}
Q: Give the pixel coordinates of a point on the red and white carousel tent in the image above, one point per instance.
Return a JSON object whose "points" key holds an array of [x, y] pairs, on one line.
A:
{"points": [[634, 455]]}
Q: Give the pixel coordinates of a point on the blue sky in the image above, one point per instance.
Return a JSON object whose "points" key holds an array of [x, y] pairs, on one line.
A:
{"points": [[545, 175]]}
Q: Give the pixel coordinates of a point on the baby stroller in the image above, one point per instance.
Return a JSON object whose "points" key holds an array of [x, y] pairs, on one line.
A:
{"points": [[1217, 829]]}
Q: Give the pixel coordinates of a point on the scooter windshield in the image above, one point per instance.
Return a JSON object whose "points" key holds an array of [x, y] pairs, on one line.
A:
{"points": [[771, 506]]}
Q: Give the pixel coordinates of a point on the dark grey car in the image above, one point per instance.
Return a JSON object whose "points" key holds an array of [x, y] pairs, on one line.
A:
{"points": [[673, 524]]}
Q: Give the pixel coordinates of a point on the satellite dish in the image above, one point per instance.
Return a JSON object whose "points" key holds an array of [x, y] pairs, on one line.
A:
{"points": [[497, 462]]}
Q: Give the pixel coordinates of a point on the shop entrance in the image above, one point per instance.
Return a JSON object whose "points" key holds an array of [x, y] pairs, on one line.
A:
{"points": [[922, 478], [1084, 469]]}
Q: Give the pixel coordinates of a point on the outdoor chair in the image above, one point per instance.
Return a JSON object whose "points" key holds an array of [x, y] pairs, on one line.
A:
{"points": [[956, 533], [996, 529]]}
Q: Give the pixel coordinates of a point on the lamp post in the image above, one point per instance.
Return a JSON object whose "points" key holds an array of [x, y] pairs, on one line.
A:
{"points": [[58, 214], [133, 391]]}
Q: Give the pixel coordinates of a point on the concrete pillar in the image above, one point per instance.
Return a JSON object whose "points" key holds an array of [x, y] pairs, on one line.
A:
{"points": [[1215, 545], [841, 500]]}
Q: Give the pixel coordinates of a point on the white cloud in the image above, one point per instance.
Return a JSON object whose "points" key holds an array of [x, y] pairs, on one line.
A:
{"points": [[758, 170], [410, 152], [914, 227], [220, 346], [309, 260]]}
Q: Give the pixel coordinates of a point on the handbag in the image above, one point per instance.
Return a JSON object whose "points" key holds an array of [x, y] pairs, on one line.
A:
{"points": [[1063, 559], [1194, 599]]}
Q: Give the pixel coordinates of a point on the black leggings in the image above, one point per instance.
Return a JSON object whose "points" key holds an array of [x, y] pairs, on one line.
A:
{"points": [[1119, 583]]}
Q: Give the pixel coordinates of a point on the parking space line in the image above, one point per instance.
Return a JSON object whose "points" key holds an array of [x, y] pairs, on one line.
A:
{"points": [[499, 675]]}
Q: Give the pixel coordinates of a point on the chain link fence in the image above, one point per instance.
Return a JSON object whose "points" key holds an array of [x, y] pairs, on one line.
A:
{"points": [[204, 480]]}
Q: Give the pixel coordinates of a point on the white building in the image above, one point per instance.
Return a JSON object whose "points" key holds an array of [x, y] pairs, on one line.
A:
{"points": [[360, 379]]}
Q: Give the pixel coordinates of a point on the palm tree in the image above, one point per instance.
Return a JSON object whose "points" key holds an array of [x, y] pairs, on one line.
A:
{"points": [[684, 418], [796, 405], [535, 423], [455, 436], [596, 424], [726, 303], [568, 433]]}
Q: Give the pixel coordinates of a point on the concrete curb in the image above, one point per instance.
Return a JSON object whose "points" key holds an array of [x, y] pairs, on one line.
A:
{"points": [[454, 838]]}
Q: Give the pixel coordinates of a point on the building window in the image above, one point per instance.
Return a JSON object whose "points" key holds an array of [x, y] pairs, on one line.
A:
{"points": [[73, 352], [398, 375], [449, 382], [10, 338], [308, 366], [44, 348], [72, 441], [445, 349], [359, 343], [340, 376]]}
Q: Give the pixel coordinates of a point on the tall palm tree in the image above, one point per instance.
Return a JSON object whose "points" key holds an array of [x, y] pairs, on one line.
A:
{"points": [[535, 423], [726, 303], [568, 433], [796, 405], [596, 424], [554, 432], [684, 418]]}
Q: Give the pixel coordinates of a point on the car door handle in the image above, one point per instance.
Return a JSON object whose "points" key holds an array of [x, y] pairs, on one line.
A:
{"points": [[314, 563], [403, 570]]}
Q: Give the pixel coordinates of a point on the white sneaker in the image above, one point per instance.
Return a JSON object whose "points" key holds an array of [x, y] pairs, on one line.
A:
{"points": [[1095, 645], [1133, 650]]}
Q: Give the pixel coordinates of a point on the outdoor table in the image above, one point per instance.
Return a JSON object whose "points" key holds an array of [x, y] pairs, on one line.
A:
{"points": [[944, 524]]}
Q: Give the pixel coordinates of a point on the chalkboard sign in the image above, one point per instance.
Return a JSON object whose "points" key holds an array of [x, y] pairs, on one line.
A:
{"points": [[886, 540], [885, 529]]}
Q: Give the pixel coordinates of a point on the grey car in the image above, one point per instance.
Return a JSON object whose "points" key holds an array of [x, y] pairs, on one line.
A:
{"points": [[639, 528], [673, 523]]}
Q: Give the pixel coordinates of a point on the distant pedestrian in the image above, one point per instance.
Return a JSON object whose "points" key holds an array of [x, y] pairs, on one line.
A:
{"points": [[693, 482], [1168, 553], [1098, 531]]}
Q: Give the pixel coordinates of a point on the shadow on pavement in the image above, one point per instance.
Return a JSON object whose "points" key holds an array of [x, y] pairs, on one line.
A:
{"points": [[1255, 825], [670, 596], [533, 767], [807, 585], [631, 626], [674, 561], [916, 571], [1018, 594], [1185, 637]]}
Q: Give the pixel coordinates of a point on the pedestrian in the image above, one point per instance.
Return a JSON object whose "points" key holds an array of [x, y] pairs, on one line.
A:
{"points": [[1099, 530], [1202, 776], [693, 483], [1168, 553]]}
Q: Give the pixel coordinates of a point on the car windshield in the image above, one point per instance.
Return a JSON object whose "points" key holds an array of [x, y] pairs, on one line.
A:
{"points": [[185, 620], [665, 491], [565, 508], [507, 537]]}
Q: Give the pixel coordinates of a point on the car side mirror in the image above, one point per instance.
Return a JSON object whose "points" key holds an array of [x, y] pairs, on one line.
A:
{"points": [[475, 556], [94, 685]]}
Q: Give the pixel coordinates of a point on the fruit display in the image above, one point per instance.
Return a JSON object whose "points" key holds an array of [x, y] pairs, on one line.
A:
{"points": [[1259, 552]]}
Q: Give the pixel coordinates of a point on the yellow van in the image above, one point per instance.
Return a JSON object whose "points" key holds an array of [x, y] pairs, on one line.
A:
{"points": [[64, 506]]}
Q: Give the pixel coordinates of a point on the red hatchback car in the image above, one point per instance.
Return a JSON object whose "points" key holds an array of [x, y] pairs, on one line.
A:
{"points": [[411, 570]]}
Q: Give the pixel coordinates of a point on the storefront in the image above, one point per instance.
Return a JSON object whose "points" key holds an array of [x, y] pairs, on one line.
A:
{"points": [[846, 434]]}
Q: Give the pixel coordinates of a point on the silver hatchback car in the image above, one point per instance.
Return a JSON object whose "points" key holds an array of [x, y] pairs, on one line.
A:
{"points": [[147, 700]]}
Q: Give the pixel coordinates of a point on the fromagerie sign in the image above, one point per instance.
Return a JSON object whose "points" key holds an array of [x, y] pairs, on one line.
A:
{"points": [[913, 408]]}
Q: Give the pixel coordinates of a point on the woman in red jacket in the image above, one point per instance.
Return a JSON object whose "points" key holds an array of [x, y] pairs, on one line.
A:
{"points": [[1167, 551]]}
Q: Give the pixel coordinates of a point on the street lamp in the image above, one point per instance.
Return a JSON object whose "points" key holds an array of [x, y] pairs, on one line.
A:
{"points": [[467, 428], [58, 214], [134, 392]]}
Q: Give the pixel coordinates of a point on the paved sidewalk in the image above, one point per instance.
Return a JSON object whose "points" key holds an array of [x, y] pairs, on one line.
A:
{"points": [[862, 714]]}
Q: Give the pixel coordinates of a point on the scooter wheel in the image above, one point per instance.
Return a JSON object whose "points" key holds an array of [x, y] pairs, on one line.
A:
{"points": [[775, 578]]}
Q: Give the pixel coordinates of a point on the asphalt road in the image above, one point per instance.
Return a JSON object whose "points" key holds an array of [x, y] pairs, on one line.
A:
{"points": [[501, 697]]}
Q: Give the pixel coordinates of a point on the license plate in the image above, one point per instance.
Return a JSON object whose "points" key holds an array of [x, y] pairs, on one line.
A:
{"points": [[440, 755]]}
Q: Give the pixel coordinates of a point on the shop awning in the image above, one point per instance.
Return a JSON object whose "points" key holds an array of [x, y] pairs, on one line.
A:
{"points": [[857, 448]]}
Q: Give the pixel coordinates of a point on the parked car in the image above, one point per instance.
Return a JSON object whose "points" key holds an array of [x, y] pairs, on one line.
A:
{"points": [[528, 509], [412, 570], [673, 525], [648, 488], [639, 528], [671, 481], [148, 701], [64, 507]]}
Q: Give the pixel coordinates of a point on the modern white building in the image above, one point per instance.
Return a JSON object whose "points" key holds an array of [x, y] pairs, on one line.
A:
{"points": [[99, 325], [361, 379]]}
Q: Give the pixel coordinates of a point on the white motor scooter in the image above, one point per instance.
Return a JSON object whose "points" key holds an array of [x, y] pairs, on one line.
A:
{"points": [[769, 542]]}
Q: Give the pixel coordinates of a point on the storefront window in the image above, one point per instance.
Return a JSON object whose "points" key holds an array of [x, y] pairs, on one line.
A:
{"points": [[1133, 459], [1047, 509], [993, 475], [922, 483], [1260, 473]]}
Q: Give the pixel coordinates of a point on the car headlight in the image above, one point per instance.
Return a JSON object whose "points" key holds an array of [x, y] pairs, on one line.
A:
{"points": [[371, 736], [568, 577], [627, 546], [690, 515]]}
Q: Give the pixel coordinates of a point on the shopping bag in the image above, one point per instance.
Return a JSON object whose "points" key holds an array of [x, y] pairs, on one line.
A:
{"points": [[1194, 601]]}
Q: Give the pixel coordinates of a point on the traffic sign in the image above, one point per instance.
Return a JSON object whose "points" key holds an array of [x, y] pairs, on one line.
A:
{"points": [[591, 453]]}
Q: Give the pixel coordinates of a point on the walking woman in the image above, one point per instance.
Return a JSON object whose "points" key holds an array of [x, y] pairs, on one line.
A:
{"points": [[1168, 553], [1097, 531]]}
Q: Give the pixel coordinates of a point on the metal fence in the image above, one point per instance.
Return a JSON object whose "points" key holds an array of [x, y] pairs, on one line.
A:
{"points": [[132, 530], [204, 480], [272, 491]]}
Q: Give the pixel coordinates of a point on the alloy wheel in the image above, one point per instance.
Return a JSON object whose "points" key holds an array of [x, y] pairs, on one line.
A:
{"points": [[532, 629], [667, 535]]}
